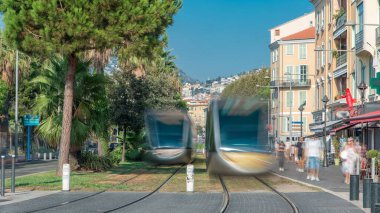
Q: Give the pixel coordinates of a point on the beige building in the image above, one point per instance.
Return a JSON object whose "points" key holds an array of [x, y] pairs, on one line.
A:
{"points": [[197, 112], [292, 67]]}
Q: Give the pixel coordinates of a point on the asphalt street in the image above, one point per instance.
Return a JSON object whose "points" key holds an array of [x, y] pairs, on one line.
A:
{"points": [[27, 168], [260, 202]]}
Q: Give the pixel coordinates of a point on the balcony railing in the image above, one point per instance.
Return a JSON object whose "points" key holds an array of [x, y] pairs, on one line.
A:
{"points": [[359, 40], [341, 21], [378, 36], [341, 59], [295, 83]]}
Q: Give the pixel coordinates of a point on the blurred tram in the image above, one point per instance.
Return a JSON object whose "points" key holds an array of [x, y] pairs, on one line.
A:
{"points": [[237, 138], [170, 137]]}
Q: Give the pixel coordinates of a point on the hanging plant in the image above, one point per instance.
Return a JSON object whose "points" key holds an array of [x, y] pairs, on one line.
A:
{"points": [[335, 54]]}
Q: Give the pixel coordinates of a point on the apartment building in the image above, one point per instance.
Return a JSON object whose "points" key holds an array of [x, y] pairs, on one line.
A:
{"points": [[197, 112], [347, 43], [292, 66]]}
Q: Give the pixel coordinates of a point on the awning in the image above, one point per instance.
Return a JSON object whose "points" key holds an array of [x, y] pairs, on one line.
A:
{"points": [[329, 124], [342, 127], [368, 117]]}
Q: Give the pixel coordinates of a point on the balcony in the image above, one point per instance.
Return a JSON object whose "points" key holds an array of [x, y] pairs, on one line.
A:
{"points": [[341, 21], [359, 40], [341, 59], [378, 36], [295, 83]]}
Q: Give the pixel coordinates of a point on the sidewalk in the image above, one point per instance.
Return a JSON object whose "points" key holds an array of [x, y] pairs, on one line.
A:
{"points": [[331, 181]]}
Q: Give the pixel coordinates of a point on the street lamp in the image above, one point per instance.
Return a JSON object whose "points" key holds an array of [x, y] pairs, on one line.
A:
{"points": [[325, 99], [362, 87], [302, 108]]}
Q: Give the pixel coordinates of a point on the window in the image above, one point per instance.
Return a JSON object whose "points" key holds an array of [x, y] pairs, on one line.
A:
{"points": [[323, 18], [285, 124], [353, 37], [304, 123], [277, 32], [360, 18], [289, 72], [331, 11], [317, 21], [302, 97], [289, 99], [289, 49], [330, 51], [323, 55], [276, 54], [273, 74], [273, 59], [303, 73], [302, 51], [318, 59]]}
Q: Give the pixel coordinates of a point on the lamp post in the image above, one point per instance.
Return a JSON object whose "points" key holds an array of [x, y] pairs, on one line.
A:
{"points": [[362, 87], [274, 137], [301, 109], [325, 99]]}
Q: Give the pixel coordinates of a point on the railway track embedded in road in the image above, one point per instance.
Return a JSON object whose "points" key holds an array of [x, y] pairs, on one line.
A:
{"points": [[226, 196], [282, 195], [85, 197], [149, 194]]}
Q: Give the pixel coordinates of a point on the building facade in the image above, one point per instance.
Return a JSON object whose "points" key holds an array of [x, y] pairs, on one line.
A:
{"points": [[292, 66]]}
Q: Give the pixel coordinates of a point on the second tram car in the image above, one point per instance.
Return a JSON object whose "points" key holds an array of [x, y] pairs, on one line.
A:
{"points": [[237, 138]]}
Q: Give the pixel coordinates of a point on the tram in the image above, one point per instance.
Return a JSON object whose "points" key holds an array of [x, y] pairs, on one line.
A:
{"points": [[237, 138], [170, 137]]}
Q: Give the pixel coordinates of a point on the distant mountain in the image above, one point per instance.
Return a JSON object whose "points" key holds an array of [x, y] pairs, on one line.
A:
{"points": [[187, 79]]}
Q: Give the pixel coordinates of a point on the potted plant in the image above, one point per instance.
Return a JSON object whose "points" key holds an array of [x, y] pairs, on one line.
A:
{"points": [[336, 147], [373, 155]]}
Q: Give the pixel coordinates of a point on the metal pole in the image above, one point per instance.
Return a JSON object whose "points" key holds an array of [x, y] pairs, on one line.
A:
{"points": [[2, 176], [16, 109], [13, 178], [325, 163], [301, 124], [291, 117], [28, 149]]}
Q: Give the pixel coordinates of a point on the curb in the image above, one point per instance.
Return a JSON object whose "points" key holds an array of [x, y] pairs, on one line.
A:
{"points": [[321, 188]]}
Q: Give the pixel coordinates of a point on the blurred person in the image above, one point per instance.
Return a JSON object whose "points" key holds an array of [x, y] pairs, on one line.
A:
{"points": [[314, 151], [349, 156], [276, 148], [281, 156], [288, 145], [300, 154]]}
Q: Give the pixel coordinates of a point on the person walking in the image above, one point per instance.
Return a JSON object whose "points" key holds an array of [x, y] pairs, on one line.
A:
{"points": [[288, 145], [349, 156], [313, 151], [281, 156], [300, 151]]}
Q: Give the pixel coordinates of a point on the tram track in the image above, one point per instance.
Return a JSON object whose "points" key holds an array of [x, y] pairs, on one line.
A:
{"points": [[282, 195], [226, 196], [85, 197]]}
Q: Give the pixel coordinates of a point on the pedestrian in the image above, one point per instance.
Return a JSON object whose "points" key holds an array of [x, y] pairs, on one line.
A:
{"points": [[288, 145], [349, 156], [281, 156], [300, 151], [314, 151]]}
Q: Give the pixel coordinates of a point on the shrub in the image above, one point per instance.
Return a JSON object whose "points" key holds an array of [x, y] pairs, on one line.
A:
{"points": [[134, 154], [372, 154], [89, 161]]}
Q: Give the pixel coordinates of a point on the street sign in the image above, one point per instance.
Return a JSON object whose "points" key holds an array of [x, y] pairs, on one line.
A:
{"points": [[31, 120], [375, 83], [297, 122]]}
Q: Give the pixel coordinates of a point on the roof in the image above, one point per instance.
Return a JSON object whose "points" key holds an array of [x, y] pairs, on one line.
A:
{"points": [[306, 14], [309, 33], [368, 117]]}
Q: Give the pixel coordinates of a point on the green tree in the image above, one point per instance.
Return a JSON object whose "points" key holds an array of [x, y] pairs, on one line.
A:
{"points": [[90, 108], [246, 86], [72, 27]]}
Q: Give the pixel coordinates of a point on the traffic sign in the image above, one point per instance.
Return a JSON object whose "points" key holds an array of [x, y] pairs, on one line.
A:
{"points": [[31, 120], [297, 122]]}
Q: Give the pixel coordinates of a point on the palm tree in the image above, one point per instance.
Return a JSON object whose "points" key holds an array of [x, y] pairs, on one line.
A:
{"points": [[90, 109]]}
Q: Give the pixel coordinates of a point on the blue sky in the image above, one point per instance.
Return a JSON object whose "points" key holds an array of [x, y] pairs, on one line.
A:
{"points": [[213, 38]]}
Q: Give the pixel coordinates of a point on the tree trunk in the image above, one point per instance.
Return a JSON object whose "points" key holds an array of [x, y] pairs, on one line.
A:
{"points": [[64, 147], [124, 140], [100, 147]]}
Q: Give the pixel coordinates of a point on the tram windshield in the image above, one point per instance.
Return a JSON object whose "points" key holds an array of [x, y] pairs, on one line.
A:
{"points": [[243, 131], [166, 135]]}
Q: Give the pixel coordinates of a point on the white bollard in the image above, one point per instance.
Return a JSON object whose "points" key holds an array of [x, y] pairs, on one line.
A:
{"points": [[50, 156], [190, 178], [66, 177], [44, 156], [38, 155]]}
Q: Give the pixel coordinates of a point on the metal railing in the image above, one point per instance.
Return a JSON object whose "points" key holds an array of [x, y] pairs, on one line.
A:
{"points": [[341, 59], [295, 83], [359, 40], [378, 36], [341, 21]]}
